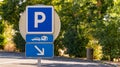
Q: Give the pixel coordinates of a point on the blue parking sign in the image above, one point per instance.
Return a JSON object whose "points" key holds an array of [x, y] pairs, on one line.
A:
{"points": [[39, 19]]}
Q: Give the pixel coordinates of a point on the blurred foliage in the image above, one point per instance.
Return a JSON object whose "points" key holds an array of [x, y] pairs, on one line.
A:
{"points": [[107, 30], [82, 21], [98, 53], [1, 35], [8, 34], [20, 42]]}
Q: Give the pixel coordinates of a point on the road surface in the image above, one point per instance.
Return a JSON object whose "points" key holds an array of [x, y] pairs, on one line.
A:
{"points": [[19, 60]]}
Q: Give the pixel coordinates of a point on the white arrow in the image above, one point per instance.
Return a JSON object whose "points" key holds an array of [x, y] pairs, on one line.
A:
{"points": [[41, 52]]}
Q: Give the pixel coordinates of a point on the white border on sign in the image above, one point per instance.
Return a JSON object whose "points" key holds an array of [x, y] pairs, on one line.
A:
{"points": [[41, 6]]}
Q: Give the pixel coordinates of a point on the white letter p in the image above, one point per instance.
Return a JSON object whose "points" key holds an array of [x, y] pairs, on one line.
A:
{"points": [[37, 21]]}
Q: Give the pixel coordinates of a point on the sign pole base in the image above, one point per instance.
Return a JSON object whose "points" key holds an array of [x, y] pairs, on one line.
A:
{"points": [[39, 62]]}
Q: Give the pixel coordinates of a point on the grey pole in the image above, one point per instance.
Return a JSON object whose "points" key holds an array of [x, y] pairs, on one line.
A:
{"points": [[39, 62]]}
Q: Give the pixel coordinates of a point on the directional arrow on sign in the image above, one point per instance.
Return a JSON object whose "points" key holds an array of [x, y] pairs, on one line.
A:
{"points": [[41, 52]]}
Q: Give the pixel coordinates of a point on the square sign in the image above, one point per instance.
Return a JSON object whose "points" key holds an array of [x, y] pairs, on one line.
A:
{"points": [[39, 19]]}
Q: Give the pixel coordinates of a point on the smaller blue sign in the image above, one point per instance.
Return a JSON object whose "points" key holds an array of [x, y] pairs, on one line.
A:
{"points": [[39, 50], [39, 38]]}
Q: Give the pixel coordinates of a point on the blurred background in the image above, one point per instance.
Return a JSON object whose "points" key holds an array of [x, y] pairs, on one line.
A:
{"points": [[84, 24]]}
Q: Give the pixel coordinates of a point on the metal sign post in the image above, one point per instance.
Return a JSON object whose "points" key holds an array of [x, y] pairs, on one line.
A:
{"points": [[39, 62]]}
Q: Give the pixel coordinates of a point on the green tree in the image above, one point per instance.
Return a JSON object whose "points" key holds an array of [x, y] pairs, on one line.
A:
{"points": [[107, 30], [11, 14], [1, 29], [1, 35]]}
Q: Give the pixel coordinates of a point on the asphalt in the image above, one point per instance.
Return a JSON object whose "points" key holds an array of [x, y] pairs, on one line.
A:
{"points": [[11, 59]]}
